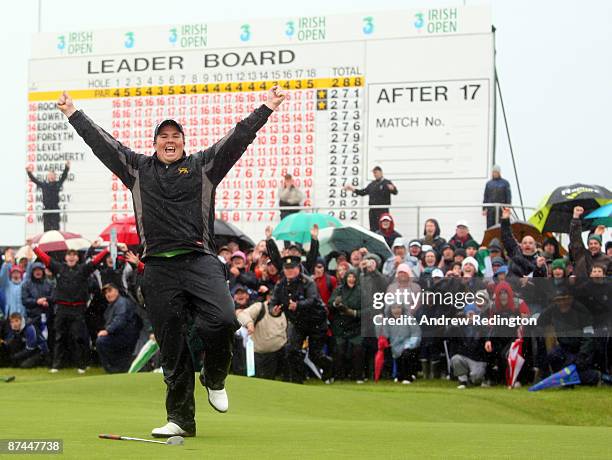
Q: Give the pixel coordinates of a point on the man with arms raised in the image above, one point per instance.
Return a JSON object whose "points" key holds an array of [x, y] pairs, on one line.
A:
{"points": [[184, 284]]}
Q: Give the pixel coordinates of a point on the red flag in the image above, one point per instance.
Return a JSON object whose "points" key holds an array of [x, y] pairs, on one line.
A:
{"points": [[515, 362]]}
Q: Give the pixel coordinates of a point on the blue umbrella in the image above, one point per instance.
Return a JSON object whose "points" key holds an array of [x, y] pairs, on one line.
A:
{"points": [[601, 216]]}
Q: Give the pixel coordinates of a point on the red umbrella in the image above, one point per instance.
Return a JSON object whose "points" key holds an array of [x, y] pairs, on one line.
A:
{"points": [[126, 231], [379, 359], [54, 240]]}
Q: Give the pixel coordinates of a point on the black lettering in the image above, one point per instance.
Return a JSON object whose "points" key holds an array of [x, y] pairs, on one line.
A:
{"points": [[250, 58], [107, 66], [267, 56], [383, 96], [176, 61], [89, 69], [124, 65], [285, 60], [158, 63], [211, 60], [141, 64], [234, 56]]}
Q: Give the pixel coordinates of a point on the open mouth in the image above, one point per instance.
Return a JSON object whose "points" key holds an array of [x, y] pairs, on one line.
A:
{"points": [[170, 149]]}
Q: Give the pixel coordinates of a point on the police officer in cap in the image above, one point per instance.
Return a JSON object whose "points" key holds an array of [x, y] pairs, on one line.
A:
{"points": [[299, 300]]}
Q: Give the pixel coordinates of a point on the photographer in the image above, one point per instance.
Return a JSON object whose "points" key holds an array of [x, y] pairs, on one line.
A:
{"points": [[298, 297]]}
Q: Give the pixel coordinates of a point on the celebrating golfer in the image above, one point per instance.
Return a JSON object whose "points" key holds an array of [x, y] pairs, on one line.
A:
{"points": [[184, 283]]}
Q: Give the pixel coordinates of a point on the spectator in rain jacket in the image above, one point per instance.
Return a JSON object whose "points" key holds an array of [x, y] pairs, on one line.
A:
{"points": [[37, 296], [345, 303], [386, 228], [431, 235], [11, 282], [584, 258], [116, 341], [497, 190]]}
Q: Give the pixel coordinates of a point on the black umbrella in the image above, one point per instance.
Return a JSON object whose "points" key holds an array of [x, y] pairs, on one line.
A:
{"points": [[226, 232], [556, 210]]}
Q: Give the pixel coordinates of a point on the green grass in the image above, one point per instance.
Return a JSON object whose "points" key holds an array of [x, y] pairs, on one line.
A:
{"points": [[280, 420]]}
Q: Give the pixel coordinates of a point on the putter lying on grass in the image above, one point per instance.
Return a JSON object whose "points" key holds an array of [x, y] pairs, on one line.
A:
{"points": [[173, 441]]}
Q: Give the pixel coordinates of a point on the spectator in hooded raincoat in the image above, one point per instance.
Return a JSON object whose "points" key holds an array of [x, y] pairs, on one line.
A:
{"points": [[386, 228], [431, 235], [345, 303]]}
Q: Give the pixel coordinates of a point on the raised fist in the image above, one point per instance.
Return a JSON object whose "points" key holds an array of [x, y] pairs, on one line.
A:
{"points": [[65, 104]]}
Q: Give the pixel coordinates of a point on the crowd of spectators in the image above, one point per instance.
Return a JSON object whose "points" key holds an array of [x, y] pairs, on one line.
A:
{"points": [[315, 317]]}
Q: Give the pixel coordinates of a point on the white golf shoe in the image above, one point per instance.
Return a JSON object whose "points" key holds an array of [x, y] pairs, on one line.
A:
{"points": [[218, 399], [170, 429]]}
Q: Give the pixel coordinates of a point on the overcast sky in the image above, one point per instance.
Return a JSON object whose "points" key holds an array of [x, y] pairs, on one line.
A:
{"points": [[553, 60]]}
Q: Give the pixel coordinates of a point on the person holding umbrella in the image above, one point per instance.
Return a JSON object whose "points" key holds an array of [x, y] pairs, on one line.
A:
{"points": [[584, 258], [184, 283]]}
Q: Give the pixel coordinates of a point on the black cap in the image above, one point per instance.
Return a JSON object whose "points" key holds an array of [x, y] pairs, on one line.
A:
{"points": [[168, 122], [239, 287], [108, 286], [291, 261], [296, 248]]}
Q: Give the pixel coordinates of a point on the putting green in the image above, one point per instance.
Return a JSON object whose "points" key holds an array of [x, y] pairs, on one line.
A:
{"points": [[280, 420]]}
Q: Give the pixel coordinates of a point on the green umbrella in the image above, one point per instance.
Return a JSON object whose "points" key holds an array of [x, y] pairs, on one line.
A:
{"points": [[601, 216], [556, 209], [296, 227]]}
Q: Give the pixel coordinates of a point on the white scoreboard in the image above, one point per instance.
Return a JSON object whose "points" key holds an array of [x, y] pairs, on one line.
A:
{"points": [[410, 91]]}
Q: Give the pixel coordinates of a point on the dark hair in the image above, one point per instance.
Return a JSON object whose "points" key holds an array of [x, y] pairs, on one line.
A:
{"points": [[437, 231], [15, 315], [600, 266], [377, 168]]}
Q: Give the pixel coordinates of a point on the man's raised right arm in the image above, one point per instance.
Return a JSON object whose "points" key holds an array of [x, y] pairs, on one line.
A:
{"points": [[117, 157]]}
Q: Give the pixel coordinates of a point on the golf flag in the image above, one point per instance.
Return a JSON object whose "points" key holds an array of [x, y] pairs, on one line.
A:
{"points": [[315, 370], [113, 246], [515, 362], [43, 326], [250, 357], [144, 355], [566, 376]]}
